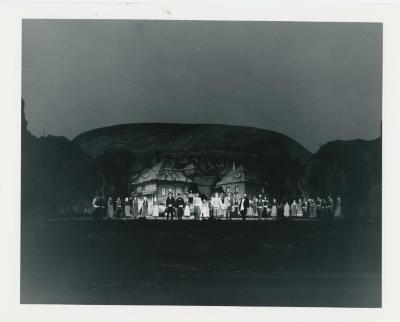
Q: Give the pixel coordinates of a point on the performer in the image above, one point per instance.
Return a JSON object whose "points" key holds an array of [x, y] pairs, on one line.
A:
{"points": [[187, 212], [338, 207], [264, 206], [318, 207], [304, 206], [145, 207], [190, 202], [260, 206], [311, 208], [274, 209], [205, 209], [119, 207], [110, 208], [236, 206], [155, 210], [140, 206], [216, 204], [293, 209], [300, 208], [180, 205], [228, 205], [170, 204], [96, 207], [135, 207], [286, 210], [330, 209], [243, 206], [127, 208], [197, 204]]}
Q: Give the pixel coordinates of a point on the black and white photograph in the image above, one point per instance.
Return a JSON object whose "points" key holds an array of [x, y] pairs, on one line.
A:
{"points": [[201, 163]]}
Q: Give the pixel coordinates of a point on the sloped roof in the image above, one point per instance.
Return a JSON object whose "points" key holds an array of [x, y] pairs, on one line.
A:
{"points": [[190, 166], [204, 180], [241, 175], [161, 172]]}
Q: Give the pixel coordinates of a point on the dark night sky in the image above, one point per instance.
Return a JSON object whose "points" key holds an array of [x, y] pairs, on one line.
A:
{"points": [[314, 82]]}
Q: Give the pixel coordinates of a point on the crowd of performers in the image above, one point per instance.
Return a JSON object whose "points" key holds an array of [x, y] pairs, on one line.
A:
{"points": [[218, 206]]}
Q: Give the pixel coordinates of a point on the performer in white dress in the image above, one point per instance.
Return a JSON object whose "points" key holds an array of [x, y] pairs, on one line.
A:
{"points": [[205, 210], [216, 204], [293, 209], [155, 210], [299, 208], [187, 210], [197, 204], [338, 206], [127, 208], [286, 210]]}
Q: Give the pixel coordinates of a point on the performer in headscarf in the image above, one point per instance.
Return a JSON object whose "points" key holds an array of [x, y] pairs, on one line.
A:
{"points": [[293, 209], [300, 208], [110, 208], [197, 203], [205, 209], [187, 212], [338, 208], [155, 210], [274, 209], [127, 208], [145, 207], [286, 210]]}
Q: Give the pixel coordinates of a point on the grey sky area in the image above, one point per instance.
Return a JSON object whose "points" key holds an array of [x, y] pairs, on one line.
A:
{"points": [[314, 82]]}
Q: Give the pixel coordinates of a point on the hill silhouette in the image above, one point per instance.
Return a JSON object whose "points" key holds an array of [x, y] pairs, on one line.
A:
{"points": [[210, 148]]}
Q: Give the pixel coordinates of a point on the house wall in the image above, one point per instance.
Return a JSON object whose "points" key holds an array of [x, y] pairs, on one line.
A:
{"points": [[255, 189], [234, 188], [175, 187]]}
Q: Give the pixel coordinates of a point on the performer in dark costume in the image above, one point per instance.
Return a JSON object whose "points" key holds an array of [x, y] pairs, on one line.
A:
{"points": [[119, 207], [260, 206], [243, 206], [180, 205], [170, 204], [318, 206], [96, 207]]}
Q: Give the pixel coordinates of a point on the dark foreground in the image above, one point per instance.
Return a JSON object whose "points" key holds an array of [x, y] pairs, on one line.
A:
{"points": [[202, 263]]}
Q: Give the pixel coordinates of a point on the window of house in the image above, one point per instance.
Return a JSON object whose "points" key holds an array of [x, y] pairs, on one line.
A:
{"points": [[262, 190], [228, 189], [163, 191], [236, 188]]}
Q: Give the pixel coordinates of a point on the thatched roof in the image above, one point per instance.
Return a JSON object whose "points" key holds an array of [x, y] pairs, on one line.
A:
{"points": [[241, 175], [161, 172]]}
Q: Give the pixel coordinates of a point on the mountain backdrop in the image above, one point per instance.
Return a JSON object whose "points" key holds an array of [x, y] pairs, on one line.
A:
{"points": [[61, 176]]}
